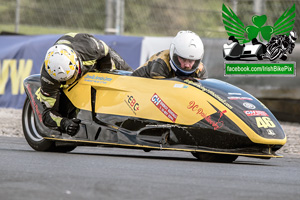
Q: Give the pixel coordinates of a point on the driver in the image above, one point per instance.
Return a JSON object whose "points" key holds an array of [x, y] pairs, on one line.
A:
{"points": [[72, 55], [182, 59]]}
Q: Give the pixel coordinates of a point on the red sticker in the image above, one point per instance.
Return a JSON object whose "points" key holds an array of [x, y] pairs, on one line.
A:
{"points": [[255, 113], [240, 98], [160, 104]]}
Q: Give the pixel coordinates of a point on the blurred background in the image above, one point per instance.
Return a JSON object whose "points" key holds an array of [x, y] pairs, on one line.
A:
{"points": [[134, 17], [157, 18]]}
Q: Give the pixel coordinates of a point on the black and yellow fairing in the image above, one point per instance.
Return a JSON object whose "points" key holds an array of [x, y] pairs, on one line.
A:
{"points": [[172, 114]]}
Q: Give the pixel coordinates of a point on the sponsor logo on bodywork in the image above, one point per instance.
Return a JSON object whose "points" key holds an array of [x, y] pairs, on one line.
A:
{"points": [[198, 110], [271, 132], [178, 85], [160, 104], [255, 113], [234, 93], [132, 104], [212, 93], [240, 98], [249, 105], [97, 79]]}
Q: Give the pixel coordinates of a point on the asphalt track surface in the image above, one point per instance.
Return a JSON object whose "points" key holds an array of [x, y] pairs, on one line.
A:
{"points": [[112, 173]]}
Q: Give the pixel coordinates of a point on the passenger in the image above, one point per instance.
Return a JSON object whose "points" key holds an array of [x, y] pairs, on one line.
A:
{"points": [[182, 59], [72, 56]]}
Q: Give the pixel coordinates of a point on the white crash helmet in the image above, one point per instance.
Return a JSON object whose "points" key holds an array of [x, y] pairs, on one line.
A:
{"points": [[293, 36], [62, 63], [188, 45]]}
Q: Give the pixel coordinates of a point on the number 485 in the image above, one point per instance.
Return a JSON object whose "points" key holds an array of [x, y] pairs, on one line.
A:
{"points": [[264, 122]]}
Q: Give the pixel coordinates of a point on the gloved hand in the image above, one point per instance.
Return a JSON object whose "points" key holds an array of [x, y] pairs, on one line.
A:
{"points": [[70, 126]]}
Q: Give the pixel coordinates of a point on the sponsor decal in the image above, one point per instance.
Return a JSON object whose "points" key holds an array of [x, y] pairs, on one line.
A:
{"points": [[33, 104], [255, 113], [199, 111], [249, 105], [97, 79], [240, 98], [132, 104], [233, 93], [264, 122], [177, 85], [212, 93], [160, 104], [271, 132]]}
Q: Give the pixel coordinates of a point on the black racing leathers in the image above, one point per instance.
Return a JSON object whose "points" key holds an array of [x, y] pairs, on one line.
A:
{"points": [[158, 66], [94, 54]]}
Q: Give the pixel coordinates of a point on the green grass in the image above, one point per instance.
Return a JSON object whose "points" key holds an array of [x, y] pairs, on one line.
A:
{"points": [[38, 30]]}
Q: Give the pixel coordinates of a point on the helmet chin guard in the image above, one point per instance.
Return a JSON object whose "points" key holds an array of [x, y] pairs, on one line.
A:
{"points": [[181, 72]]}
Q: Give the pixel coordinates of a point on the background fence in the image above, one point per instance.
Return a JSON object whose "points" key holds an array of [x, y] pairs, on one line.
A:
{"points": [[133, 17]]}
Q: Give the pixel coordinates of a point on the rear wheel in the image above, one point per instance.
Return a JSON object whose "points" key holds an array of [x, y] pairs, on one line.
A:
{"points": [[32, 135], [212, 157]]}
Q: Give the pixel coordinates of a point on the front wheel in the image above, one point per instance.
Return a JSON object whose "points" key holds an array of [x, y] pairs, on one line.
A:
{"points": [[275, 53], [32, 135], [212, 157]]}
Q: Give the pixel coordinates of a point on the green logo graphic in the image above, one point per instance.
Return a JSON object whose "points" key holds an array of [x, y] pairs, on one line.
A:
{"points": [[235, 27], [260, 69]]}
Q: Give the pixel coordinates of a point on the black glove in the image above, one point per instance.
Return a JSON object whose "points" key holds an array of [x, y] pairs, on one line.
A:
{"points": [[70, 126]]}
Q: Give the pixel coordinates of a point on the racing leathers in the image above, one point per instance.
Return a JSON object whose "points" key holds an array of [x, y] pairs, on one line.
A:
{"points": [[94, 55], [158, 67]]}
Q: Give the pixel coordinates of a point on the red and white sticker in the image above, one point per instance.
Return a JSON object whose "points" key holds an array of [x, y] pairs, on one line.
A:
{"points": [[160, 104], [255, 113]]}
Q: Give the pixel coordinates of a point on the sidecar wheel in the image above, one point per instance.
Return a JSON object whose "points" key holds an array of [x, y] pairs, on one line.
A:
{"points": [[32, 135], [212, 157]]}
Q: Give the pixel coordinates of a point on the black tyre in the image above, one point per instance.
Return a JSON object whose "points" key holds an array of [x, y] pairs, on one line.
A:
{"points": [[211, 157], [32, 135], [276, 53]]}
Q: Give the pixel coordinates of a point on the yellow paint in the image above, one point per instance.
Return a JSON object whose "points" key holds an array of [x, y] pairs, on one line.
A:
{"points": [[113, 92]]}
